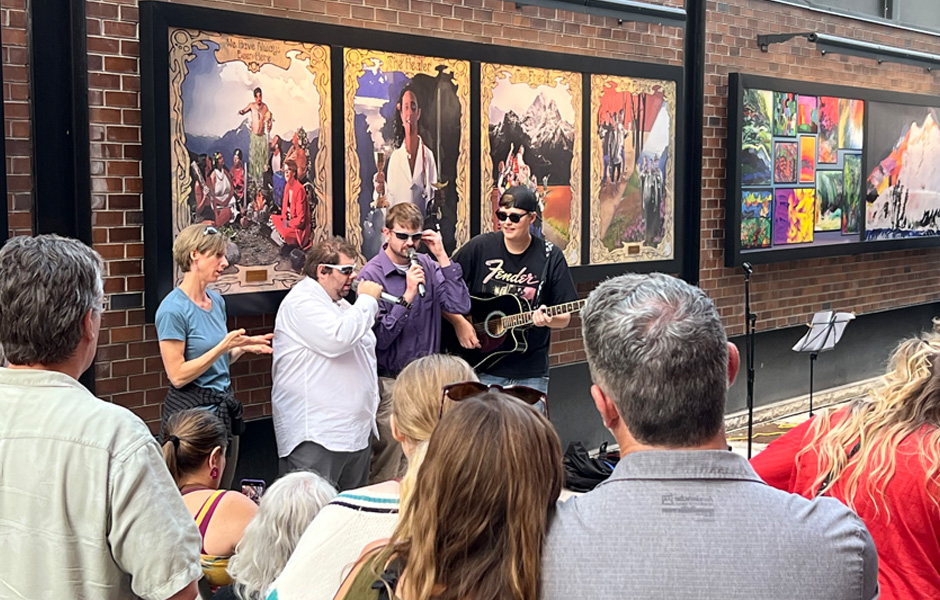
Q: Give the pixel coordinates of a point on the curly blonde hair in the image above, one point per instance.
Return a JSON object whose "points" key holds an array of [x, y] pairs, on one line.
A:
{"points": [[906, 402]]}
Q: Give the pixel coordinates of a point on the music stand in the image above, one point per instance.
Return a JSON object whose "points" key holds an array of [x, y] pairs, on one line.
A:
{"points": [[824, 333]]}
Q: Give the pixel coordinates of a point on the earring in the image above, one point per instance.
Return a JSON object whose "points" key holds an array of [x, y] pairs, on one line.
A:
{"points": [[214, 473]]}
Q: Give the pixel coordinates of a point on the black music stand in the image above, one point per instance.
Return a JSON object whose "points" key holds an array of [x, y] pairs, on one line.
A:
{"points": [[824, 333]]}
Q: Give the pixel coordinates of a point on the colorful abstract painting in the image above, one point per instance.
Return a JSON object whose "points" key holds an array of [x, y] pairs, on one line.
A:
{"points": [[807, 158], [785, 162], [756, 138], [851, 193], [793, 215], [829, 200], [784, 114], [903, 183], [851, 120], [755, 219], [828, 145], [807, 115]]}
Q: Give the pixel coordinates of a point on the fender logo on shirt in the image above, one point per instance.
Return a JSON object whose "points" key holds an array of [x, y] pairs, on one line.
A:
{"points": [[496, 272]]}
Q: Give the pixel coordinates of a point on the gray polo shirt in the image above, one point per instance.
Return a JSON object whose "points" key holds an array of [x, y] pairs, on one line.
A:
{"points": [[702, 525]]}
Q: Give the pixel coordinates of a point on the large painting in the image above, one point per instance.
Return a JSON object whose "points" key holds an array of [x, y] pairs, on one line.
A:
{"points": [[903, 172], [407, 140], [531, 135], [633, 132], [250, 150]]}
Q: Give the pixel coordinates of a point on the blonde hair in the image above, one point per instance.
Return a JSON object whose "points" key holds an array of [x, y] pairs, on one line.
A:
{"points": [[478, 518], [416, 404], [906, 402], [197, 238]]}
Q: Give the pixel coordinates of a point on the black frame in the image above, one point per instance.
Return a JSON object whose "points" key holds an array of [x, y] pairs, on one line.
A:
{"points": [[734, 257], [156, 18]]}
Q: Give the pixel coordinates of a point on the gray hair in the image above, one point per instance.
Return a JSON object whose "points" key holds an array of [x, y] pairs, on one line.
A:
{"points": [[47, 285], [283, 515], [656, 346]]}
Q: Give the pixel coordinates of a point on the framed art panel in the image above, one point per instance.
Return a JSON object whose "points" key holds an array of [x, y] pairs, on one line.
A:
{"points": [[530, 127], [632, 173], [407, 129]]}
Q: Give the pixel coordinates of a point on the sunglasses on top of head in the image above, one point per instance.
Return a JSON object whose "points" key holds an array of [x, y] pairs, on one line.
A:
{"points": [[468, 389], [415, 237], [514, 217], [343, 269]]}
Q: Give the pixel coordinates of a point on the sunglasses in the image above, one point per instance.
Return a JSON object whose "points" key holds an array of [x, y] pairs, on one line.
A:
{"points": [[343, 269], [210, 230], [468, 389], [514, 217], [415, 237]]}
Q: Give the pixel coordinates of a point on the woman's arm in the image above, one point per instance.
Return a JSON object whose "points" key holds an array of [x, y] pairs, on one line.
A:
{"points": [[182, 371], [228, 523]]}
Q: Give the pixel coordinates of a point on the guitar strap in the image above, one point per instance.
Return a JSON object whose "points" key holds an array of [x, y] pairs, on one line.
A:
{"points": [[537, 301]]}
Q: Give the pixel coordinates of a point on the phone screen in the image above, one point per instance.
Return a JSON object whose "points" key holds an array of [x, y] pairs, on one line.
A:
{"points": [[253, 488]]}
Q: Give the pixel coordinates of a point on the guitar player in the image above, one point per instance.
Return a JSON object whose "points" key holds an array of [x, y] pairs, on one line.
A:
{"points": [[512, 261]]}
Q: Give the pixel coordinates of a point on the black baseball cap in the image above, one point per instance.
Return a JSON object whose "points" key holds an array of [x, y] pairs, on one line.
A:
{"points": [[522, 197]]}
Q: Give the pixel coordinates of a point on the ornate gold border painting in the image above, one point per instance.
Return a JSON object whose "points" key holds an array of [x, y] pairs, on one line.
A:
{"points": [[531, 135], [407, 124], [250, 150], [633, 135]]}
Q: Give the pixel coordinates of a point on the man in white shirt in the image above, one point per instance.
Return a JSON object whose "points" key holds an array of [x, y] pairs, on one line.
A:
{"points": [[325, 390], [87, 506]]}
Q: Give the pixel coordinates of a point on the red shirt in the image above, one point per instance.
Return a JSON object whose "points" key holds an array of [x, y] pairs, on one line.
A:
{"points": [[905, 528]]}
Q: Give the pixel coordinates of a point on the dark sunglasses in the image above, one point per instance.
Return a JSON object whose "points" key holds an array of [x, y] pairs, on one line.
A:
{"points": [[514, 217], [468, 389], [415, 237], [210, 230]]}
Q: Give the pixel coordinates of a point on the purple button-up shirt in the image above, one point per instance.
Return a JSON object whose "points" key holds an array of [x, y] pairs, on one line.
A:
{"points": [[403, 335]]}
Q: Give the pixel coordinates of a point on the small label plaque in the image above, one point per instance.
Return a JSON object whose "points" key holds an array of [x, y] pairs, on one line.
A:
{"points": [[256, 275], [633, 249]]}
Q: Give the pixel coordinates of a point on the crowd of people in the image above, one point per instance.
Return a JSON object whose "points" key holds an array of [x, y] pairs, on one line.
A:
{"points": [[408, 474]]}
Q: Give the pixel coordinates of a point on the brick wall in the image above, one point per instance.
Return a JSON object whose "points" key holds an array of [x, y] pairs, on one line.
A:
{"points": [[129, 370]]}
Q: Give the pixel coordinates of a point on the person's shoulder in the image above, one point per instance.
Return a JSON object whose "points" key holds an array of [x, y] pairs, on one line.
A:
{"points": [[90, 421], [172, 303], [237, 504]]}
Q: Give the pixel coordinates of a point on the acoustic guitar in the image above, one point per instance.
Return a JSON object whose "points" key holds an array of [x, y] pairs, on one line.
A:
{"points": [[499, 323]]}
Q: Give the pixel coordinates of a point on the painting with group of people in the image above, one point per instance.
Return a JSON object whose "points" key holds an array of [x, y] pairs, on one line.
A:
{"points": [[250, 151]]}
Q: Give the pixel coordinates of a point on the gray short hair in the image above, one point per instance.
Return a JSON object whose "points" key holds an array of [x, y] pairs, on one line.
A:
{"points": [[656, 346], [47, 284], [283, 515]]}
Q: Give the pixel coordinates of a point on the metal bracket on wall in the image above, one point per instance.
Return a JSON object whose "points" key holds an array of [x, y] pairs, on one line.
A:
{"points": [[839, 45], [622, 10]]}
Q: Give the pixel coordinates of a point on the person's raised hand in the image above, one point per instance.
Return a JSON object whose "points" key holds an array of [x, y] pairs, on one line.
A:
{"points": [[369, 288], [413, 276]]}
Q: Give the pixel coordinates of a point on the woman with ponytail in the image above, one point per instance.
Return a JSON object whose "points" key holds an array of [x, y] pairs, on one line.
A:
{"points": [[880, 455], [337, 535], [194, 451]]}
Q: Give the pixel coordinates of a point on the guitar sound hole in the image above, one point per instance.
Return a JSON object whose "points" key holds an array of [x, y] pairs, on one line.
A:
{"points": [[493, 327]]}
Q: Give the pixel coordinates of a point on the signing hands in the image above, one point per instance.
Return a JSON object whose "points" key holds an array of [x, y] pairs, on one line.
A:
{"points": [[256, 344]]}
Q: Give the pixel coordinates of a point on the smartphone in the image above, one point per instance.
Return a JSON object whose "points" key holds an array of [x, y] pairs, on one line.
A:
{"points": [[254, 488]]}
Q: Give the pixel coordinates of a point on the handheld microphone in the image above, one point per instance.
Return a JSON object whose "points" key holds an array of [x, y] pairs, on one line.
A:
{"points": [[384, 295], [413, 257]]}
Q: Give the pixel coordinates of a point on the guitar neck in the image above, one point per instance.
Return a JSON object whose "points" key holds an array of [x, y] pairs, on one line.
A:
{"points": [[525, 318]]}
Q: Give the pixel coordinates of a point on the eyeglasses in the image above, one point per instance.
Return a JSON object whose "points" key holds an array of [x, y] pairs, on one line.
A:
{"points": [[514, 217], [343, 269], [106, 303], [415, 237], [468, 389], [210, 230]]}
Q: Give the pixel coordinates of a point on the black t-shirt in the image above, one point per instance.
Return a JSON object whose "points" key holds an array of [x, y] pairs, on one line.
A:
{"points": [[489, 269]]}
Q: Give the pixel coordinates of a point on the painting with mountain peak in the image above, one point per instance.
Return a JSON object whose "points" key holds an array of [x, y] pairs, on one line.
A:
{"points": [[250, 156], [531, 122], [903, 167]]}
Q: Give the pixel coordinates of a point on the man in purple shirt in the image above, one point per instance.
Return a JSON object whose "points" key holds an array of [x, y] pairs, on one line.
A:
{"points": [[406, 333]]}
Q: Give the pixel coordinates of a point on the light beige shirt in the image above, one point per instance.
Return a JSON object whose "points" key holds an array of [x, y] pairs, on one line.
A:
{"points": [[87, 506]]}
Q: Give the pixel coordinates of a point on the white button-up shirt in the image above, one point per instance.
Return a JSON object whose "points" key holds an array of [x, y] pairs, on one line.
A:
{"points": [[325, 384]]}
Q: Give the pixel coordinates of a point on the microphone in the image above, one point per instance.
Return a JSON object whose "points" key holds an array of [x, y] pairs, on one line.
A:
{"points": [[413, 257], [384, 295], [748, 269]]}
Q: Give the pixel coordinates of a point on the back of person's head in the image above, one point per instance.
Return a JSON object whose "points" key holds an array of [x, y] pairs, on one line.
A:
{"points": [[905, 402], [416, 398], [191, 436], [205, 239], [286, 509], [404, 214], [326, 252], [655, 345], [48, 284], [479, 514]]}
